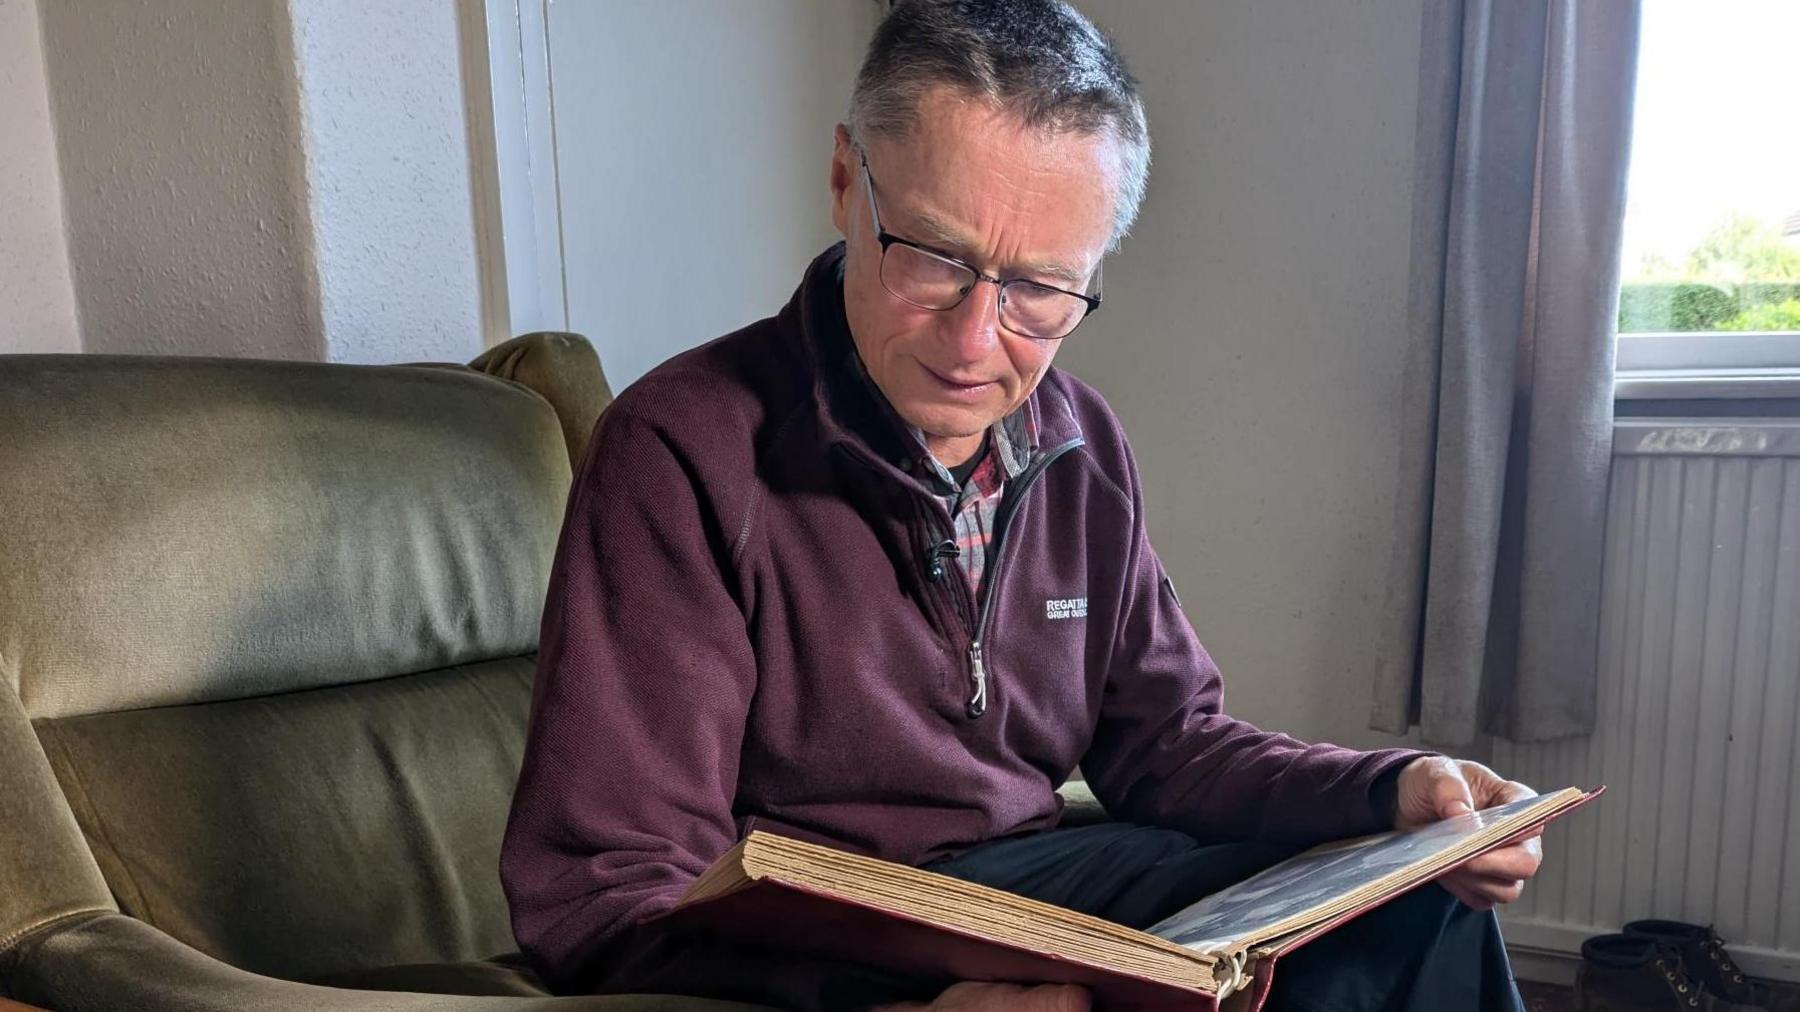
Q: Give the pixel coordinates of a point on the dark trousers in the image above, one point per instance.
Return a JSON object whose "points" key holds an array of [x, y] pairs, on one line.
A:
{"points": [[1421, 952]]}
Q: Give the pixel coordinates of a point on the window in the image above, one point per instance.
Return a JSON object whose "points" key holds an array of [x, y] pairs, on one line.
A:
{"points": [[1709, 296]]}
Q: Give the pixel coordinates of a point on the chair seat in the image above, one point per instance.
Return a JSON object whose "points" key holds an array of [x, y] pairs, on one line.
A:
{"points": [[510, 976], [507, 974]]}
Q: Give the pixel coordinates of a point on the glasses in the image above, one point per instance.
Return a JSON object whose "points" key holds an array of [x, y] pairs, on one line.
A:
{"points": [[928, 279]]}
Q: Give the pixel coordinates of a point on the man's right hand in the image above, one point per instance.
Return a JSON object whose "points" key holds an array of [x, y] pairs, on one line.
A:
{"points": [[970, 996]]}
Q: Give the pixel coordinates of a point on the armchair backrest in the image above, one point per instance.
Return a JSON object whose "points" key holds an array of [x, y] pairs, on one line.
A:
{"points": [[269, 627]]}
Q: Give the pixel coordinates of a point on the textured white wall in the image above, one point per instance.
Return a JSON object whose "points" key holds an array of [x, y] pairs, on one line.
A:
{"points": [[387, 159], [269, 178], [179, 143], [37, 299], [1255, 328], [693, 142]]}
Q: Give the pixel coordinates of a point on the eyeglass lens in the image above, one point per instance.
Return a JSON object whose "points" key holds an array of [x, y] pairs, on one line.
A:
{"points": [[932, 282]]}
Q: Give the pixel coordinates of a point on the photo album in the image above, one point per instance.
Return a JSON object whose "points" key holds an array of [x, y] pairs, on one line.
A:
{"points": [[1217, 953]]}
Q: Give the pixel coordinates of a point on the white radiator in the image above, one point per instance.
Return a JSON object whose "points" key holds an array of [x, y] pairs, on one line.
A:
{"points": [[1699, 711]]}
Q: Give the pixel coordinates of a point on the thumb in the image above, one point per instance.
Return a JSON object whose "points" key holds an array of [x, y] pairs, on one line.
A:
{"points": [[1450, 794]]}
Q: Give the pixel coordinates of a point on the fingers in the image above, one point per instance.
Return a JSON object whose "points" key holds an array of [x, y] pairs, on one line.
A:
{"points": [[1489, 793], [1518, 861], [1465, 895], [1449, 790], [1512, 790], [1041, 998], [1496, 877], [1488, 788], [1482, 892], [1438, 787], [1432, 788], [977, 996], [1051, 998]]}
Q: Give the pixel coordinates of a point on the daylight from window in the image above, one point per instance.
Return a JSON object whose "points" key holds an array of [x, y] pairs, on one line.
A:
{"points": [[1712, 220]]}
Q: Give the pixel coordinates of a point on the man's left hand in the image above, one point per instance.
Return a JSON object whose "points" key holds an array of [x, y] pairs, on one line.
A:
{"points": [[1437, 787]]}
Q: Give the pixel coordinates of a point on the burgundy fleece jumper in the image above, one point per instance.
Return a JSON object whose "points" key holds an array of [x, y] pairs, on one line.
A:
{"points": [[744, 627]]}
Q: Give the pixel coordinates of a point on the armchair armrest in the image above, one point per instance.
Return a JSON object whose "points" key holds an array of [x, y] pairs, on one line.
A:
{"points": [[110, 961], [562, 368], [1080, 807]]}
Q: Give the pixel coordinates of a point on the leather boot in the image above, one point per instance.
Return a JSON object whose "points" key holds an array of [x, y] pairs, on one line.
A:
{"points": [[1629, 973], [1703, 953]]}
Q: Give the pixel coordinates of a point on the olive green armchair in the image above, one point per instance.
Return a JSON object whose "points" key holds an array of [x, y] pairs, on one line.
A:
{"points": [[266, 645]]}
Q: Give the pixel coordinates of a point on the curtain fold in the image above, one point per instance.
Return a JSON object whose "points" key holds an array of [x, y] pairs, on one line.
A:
{"points": [[1493, 616]]}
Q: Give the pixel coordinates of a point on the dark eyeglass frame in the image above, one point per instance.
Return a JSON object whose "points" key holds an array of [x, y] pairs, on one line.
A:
{"points": [[888, 239]]}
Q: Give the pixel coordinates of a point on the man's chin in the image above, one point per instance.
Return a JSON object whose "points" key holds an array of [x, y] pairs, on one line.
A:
{"points": [[954, 423]]}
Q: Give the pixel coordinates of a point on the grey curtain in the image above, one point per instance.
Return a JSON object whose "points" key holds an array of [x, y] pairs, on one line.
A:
{"points": [[1492, 617]]}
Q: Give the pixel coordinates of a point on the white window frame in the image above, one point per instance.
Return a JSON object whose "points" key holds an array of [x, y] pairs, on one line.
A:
{"points": [[1708, 365], [508, 85]]}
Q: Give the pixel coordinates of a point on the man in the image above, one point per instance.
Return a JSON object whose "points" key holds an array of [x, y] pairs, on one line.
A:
{"points": [[872, 573]]}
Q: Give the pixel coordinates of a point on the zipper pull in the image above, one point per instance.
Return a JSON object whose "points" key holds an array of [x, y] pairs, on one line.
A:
{"points": [[977, 704]]}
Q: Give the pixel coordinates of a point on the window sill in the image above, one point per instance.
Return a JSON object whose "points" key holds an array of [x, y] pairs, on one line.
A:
{"points": [[1706, 384], [1720, 366]]}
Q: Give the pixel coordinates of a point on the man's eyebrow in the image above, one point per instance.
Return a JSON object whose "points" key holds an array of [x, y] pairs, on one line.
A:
{"points": [[1072, 276], [935, 231]]}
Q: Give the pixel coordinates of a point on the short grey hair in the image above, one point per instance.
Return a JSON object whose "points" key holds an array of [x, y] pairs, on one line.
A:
{"points": [[1041, 60]]}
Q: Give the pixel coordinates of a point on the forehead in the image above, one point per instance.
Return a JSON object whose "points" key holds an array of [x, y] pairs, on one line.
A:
{"points": [[998, 187]]}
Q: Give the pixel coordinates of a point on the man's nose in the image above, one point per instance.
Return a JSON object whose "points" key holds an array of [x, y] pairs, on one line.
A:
{"points": [[973, 326]]}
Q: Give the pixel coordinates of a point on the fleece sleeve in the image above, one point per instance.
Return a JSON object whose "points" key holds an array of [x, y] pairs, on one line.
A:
{"points": [[1165, 753], [644, 681]]}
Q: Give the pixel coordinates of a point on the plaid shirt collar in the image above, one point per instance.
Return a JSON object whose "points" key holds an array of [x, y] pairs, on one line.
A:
{"points": [[1012, 442], [974, 508]]}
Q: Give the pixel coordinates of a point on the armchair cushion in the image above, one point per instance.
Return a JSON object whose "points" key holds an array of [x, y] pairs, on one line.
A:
{"points": [[310, 833], [182, 530]]}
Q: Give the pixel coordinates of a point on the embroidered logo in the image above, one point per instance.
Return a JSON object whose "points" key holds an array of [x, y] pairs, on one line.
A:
{"points": [[1065, 607]]}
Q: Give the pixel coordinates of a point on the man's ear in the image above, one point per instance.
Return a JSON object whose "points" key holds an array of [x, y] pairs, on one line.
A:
{"points": [[843, 175]]}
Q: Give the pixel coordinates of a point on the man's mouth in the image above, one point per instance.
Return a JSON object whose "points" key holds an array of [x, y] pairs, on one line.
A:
{"points": [[955, 387]]}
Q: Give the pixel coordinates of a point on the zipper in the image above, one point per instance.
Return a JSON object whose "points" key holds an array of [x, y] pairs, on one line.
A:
{"points": [[1012, 500], [937, 515], [1010, 503]]}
